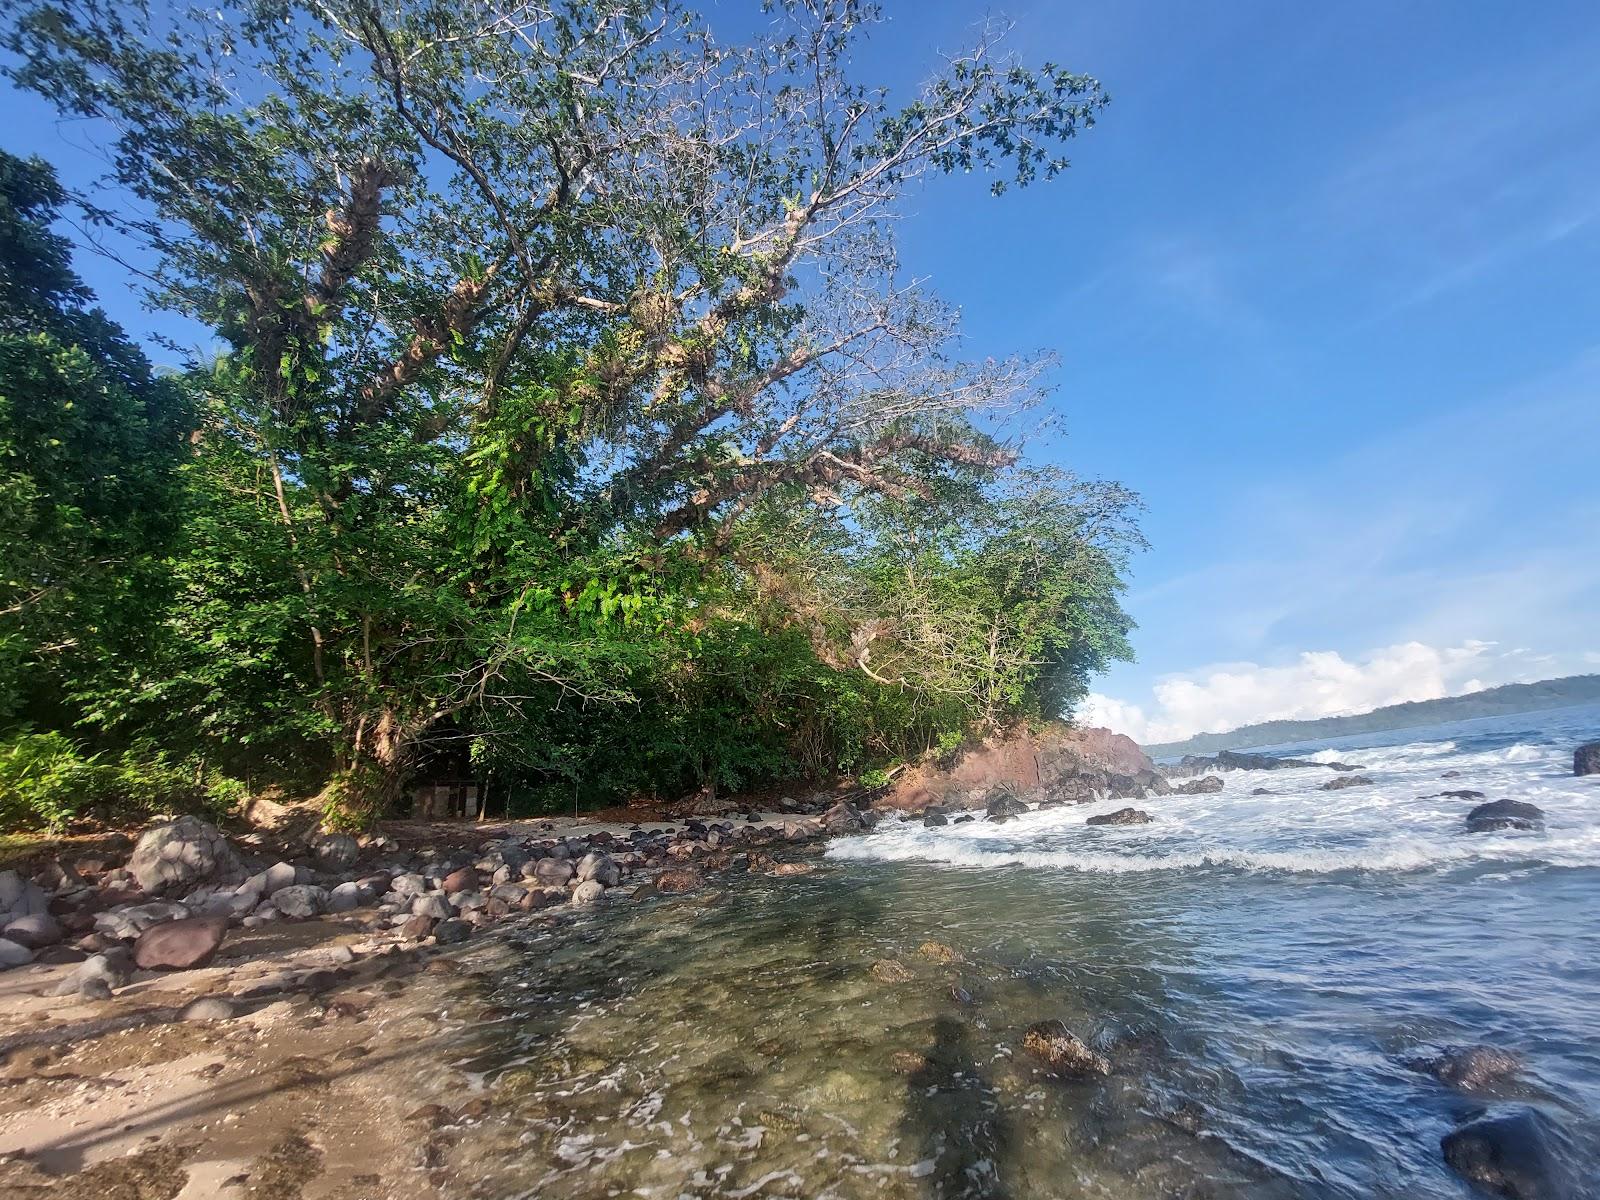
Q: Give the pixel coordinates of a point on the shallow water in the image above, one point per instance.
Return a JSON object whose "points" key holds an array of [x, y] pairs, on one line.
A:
{"points": [[1258, 969]]}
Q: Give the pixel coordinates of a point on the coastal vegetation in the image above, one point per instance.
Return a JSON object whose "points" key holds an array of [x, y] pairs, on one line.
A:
{"points": [[566, 410]]}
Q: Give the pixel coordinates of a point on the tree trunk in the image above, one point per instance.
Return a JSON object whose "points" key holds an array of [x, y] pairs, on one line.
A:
{"points": [[372, 783]]}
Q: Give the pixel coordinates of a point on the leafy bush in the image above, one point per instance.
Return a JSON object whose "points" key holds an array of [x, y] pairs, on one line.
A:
{"points": [[47, 781]]}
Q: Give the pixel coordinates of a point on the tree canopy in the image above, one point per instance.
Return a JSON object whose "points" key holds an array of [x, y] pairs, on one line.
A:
{"points": [[574, 407]]}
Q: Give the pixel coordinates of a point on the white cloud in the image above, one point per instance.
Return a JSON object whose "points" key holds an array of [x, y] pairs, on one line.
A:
{"points": [[1319, 683]]}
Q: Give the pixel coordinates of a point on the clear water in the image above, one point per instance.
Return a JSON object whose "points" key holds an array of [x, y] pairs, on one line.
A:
{"points": [[1258, 969]]}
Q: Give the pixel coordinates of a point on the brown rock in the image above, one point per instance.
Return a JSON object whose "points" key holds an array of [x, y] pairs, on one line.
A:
{"points": [[886, 970], [938, 952], [1063, 1050], [464, 880], [676, 880], [180, 945], [793, 869], [417, 928]]}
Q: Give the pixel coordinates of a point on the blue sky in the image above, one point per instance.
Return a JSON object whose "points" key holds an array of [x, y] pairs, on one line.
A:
{"points": [[1325, 287]]}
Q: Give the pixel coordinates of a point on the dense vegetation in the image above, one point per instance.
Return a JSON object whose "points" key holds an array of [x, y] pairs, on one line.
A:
{"points": [[573, 412]]}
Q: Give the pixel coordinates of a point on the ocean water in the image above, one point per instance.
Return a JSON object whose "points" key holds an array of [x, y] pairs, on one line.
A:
{"points": [[1261, 971]]}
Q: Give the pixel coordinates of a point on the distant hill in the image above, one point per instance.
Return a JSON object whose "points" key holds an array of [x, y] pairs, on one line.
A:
{"points": [[1491, 702]]}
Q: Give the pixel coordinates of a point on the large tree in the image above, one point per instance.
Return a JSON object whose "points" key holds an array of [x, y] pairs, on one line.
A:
{"points": [[90, 445], [530, 307]]}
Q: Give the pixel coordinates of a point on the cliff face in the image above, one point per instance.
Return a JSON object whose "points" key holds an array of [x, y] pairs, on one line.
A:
{"points": [[1058, 762]]}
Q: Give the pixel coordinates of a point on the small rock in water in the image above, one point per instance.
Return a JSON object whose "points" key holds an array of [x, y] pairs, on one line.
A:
{"points": [[1346, 781], [1063, 1050], [676, 880], [1514, 1154], [1003, 804], [793, 868], [1457, 794], [1123, 816], [886, 970], [938, 952], [1505, 814], [934, 820], [1203, 786], [1472, 1068], [1451, 775]]}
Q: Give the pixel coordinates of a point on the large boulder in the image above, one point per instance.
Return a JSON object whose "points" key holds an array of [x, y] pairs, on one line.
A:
{"points": [[1517, 1154], [1003, 804], [1586, 759], [184, 851], [1505, 814], [20, 897], [843, 818], [180, 945], [35, 931]]}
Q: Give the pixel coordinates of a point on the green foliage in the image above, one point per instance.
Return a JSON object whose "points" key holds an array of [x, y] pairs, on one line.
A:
{"points": [[571, 430], [48, 782]]}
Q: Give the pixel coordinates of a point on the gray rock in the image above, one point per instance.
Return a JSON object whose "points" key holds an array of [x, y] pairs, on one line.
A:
{"points": [[345, 897], [552, 871], [435, 906], [130, 920], [601, 868], [111, 969], [588, 892], [1003, 804], [94, 989], [1472, 1068], [843, 818], [511, 893], [13, 954], [35, 932], [301, 900], [447, 932], [1346, 781], [184, 851], [334, 851], [410, 884], [1204, 786]]}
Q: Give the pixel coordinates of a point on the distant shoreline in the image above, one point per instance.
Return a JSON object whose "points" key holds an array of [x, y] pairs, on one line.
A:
{"points": [[1506, 700]]}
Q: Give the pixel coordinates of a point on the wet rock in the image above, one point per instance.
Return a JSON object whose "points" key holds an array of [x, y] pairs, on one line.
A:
{"points": [[301, 900], [589, 891], [207, 1008], [1451, 775], [1346, 781], [938, 952], [887, 970], [1123, 816], [1261, 792], [934, 820], [676, 880], [1472, 1068], [35, 931], [1063, 1050], [184, 851], [1505, 814], [601, 868], [335, 851], [1516, 1154], [1203, 786], [843, 818], [1457, 794], [180, 945], [1586, 759], [450, 932], [792, 868], [1002, 804], [13, 954]]}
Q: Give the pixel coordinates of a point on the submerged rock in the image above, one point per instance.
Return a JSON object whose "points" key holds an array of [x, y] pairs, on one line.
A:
{"points": [[1516, 1154], [1063, 1050], [1472, 1068], [1505, 814], [1586, 759], [886, 970], [1123, 816], [676, 880]]}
